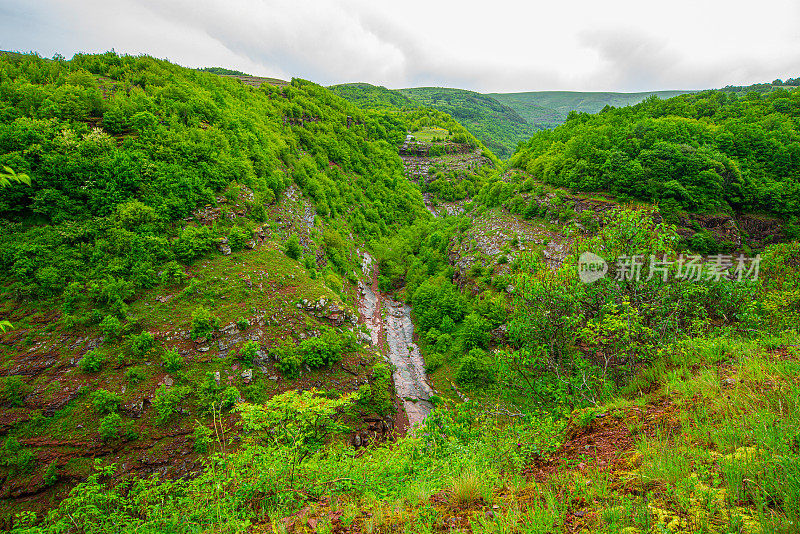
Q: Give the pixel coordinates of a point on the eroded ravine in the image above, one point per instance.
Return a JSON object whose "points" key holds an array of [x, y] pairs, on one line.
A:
{"points": [[392, 331]]}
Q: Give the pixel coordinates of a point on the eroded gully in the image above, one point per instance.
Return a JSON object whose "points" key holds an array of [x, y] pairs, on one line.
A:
{"points": [[392, 332]]}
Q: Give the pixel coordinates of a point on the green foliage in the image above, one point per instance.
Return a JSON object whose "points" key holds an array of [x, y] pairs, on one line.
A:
{"points": [[230, 396], [202, 438], [326, 348], [194, 242], [14, 390], [475, 332], [172, 274], [173, 361], [142, 343], [437, 300], [15, 457], [101, 206], [204, 323], [135, 375], [249, 351], [711, 151], [378, 394], [288, 357], [91, 362], [105, 402], [301, 421], [292, 247], [110, 427], [8, 176], [111, 327], [51, 474], [166, 402], [475, 370]]}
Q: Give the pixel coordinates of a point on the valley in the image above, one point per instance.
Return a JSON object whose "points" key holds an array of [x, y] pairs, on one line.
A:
{"points": [[241, 304]]}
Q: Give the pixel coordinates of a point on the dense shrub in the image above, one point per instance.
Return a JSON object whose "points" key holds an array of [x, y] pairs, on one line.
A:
{"points": [[204, 323], [142, 343], [91, 362], [166, 402], [105, 402], [110, 427], [13, 390], [173, 361], [288, 357], [292, 247], [249, 351], [475, 370]]}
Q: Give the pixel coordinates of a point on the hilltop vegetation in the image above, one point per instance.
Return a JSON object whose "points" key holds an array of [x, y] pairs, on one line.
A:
{"points": [[369, 96], [548, 109], [713, 151], [498, 127]]}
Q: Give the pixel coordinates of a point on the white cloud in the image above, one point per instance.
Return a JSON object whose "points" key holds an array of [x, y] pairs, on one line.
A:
{"points": [[502, 45]]}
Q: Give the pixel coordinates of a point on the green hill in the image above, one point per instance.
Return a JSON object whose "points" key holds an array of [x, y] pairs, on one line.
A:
{"points": [[498, 127], [711, 151], [369, 96], [548, 109]]}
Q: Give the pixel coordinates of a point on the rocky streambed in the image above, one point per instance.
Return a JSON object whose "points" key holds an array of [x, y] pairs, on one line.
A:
{"points": [[392, 332]]}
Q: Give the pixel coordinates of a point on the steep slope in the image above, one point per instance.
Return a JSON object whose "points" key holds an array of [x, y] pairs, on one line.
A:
{"points": [[188, 242]]}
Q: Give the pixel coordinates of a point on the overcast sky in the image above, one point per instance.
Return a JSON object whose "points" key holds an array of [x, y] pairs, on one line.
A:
{"points": [[489, 46]]}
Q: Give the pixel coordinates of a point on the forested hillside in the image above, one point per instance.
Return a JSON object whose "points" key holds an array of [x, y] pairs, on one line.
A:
{"points": [[713, 151], [548, 109], [498, 127], [123, 149]]}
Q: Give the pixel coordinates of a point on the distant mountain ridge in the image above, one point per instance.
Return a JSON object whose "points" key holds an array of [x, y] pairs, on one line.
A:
{"points": [[549, 109]]}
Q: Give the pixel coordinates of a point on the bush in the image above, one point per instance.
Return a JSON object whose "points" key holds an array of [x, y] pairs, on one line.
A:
{"points": [[475, 332], [16, 458], [105, 402], [134, 375], [325, 349], [202, 438], [172, 360], [166, 402], [377, 395], [204, 323], [288, 358], [194, 242], [51, 474], [292, 247], [91, 362], [249, 352], [110, 426], [238, 238], [230, 396], [242, 324], [172, 274], [142, 343], [475, 370], [14, 390], [110, 326]]}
